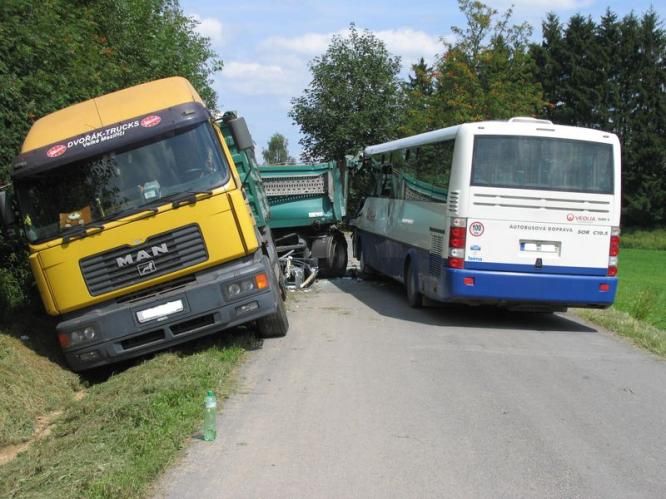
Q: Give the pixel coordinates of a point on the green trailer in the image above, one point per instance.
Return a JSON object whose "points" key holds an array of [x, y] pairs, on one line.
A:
{"points": [[308, 203]]}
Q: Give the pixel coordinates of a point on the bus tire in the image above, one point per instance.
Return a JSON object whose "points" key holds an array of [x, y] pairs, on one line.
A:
{"points": [[364, 269], [275, 325], [414, 297]]}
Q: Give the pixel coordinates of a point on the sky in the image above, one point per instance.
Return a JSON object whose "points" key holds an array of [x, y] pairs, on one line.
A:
{"points": [[266, 45]]}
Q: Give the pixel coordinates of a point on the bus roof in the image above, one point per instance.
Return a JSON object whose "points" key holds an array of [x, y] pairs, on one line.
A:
{"points": [[109, 109], [515, 125]]}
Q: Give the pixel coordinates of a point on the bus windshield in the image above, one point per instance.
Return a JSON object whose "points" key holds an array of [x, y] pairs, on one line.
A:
{"points": [[543, 163], [119, 183]]}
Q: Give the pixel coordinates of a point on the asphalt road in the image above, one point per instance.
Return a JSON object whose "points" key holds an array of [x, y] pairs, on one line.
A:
{"points": [[368, 398]]}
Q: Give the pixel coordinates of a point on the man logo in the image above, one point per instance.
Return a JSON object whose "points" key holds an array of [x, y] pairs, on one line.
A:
{"points": [[146, 268], [144, 254]]}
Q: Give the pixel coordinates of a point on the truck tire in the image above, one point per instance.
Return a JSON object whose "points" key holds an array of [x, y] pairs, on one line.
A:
{"points": [[275, 325], [337, 260], [334, 264], [414, 297]]}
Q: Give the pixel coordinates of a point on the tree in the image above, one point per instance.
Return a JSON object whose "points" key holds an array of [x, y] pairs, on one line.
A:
{"points": [[277, 152], [612, 76], [417, 101], [488, 72], [352, 100]]}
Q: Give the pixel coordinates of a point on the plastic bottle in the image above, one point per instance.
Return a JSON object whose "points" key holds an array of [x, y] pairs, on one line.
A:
{"points": [[210, 413]]}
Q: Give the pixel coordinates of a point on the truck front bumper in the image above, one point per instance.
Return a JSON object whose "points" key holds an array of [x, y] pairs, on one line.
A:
{"points": [[190, 308]]}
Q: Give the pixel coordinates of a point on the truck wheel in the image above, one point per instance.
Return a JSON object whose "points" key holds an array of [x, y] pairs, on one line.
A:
{"points": [[414, 297], [275, 325], [338, 257], [335, 263]]}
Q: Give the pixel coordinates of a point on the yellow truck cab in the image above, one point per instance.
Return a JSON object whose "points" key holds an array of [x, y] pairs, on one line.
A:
{"points": [[139, 232]]}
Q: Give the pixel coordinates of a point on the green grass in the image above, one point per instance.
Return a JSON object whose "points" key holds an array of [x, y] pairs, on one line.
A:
{"points": [[642, 288], [642, 334], [117, 439], [644, 239], [639, 311], [32, 386]]}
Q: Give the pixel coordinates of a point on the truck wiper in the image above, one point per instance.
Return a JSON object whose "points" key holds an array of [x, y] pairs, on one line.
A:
{"points": [[145, 211], [81, 231], [186, 197]]}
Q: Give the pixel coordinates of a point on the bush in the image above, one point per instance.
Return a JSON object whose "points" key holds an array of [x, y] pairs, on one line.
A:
{"points": [[12, 293]]}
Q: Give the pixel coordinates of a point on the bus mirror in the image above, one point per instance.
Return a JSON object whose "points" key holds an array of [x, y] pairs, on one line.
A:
{"points": [[7, 210], [241, 134]]}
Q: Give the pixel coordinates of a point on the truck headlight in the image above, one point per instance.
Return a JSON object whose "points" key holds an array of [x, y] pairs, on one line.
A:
{"points": [[74, 338], [240, 288]]}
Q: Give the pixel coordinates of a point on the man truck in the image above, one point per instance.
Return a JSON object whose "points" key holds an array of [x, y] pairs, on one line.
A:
{"points": [[140, 229]]}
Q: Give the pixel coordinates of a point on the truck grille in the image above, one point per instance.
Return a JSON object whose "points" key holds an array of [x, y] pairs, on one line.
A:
{"points": [[158, 255]]}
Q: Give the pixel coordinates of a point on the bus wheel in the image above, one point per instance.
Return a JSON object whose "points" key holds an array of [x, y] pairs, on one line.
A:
{"points": [[414, 297], [364, 269]]}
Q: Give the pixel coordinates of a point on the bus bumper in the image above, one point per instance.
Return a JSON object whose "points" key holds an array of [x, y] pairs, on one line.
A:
{"points": [[475, 286], [197, 308]]}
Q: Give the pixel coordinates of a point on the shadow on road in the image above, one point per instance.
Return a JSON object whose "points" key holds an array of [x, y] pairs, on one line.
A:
{"points": [[387, 298]]}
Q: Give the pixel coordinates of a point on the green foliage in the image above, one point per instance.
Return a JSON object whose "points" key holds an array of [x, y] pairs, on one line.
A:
{"points": [[487, 74], [612, 76], [352, 99], [644, 239], [277, 152]]}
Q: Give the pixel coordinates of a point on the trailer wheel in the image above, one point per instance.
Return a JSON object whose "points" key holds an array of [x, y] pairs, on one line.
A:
{"points": [[414, 297], [275, 325], [335, 263], [338, 257]]}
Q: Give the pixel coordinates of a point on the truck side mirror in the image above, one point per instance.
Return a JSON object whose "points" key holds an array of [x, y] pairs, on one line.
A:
{"points": [[7, 210], [241, 134]]}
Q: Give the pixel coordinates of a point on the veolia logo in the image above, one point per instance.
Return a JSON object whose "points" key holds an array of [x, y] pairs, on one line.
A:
{"points": [[56, 151], [570, 217], [151, 121]]}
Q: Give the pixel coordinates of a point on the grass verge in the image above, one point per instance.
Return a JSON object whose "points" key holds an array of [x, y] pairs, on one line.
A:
{"points": [[642, 334], [32, 386], [127, 429], [642, 290], [654, 239]]}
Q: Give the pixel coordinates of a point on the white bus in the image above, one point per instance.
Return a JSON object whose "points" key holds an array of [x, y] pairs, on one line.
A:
{"points": [[519, 213]]}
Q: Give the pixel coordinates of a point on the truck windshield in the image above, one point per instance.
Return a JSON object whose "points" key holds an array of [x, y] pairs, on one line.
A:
{"points": [[116, 184], [542, 163]]}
